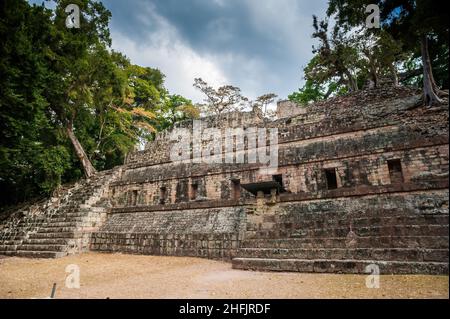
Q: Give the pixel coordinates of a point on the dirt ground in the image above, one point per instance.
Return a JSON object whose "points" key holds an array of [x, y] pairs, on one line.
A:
{"points": [[131, 276]]}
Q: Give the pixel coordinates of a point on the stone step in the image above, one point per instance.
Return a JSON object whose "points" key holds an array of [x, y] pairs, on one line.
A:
{"points": [[8, 247], [11, 242], [87, 207], [23, 225], [396, 254], [341, 242], [387, 213], [40, 254], [43, 247], [67, 215], [91, 209], [47, 241], [66, 224], [400, 230], [71, 224], [48, 229], [340, 266], [7, 240], [76, 214], [365, 221], [61, 219], [7, 253], [72, 234], [304, 218]]}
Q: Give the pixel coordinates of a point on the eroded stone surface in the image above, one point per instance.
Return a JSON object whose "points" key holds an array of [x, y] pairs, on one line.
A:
{"points": [[364, 179]]}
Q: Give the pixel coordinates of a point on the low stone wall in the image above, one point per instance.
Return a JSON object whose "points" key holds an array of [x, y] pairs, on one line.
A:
{"points": [[213, 246], [211, 233], [415, 203], [370, 215]]}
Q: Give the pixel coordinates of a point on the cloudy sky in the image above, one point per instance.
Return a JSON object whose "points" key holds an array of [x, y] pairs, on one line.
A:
{"points": [[260, 46], [257, 45]]}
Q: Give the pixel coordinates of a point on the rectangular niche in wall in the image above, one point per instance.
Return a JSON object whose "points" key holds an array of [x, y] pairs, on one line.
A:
{"points": [[236, 189], [395, 171], [135, 195], [279, 179], [193, 191], [162, 195], [330, 175]]}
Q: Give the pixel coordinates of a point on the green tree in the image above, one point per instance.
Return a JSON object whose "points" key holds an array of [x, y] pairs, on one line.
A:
{"points": [[68, 103], [380, 54], [310, 92], [71, 52], [416, 23], [175, 108], [336, 57], [262, 102], [320, 83], [33, 154], [224, 99]]}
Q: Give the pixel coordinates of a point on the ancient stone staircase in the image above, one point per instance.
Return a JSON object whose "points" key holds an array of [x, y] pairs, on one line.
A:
{"points": [[61, 225], [397, 242]]}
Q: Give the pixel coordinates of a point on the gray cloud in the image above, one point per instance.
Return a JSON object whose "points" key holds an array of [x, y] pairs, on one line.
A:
{"points": [[258, 45]]}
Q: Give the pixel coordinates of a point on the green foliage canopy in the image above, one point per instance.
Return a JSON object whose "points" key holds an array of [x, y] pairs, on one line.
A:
{"points": [[52, 78]]}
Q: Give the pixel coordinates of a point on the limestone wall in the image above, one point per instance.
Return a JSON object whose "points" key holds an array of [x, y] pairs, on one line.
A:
{"points": [[158, 151], [288, 109], [212, 233], [357, 162], [389, 159]]}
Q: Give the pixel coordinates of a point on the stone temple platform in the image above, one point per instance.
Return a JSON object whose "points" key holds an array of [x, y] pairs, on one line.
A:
{"points": [[361, 182]]}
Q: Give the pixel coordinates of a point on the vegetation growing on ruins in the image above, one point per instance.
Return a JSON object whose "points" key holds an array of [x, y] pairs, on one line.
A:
{"points": [[410, 47], [69, 104], [228, 98]]}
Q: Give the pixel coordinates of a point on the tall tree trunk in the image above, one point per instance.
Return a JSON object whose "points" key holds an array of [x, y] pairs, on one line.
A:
{"points": [[374, 77], [394, 74], [373, 70], [351, 81], [89, 170], [430, 89]]}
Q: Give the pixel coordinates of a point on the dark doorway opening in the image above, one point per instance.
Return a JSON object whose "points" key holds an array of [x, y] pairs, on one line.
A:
{"points": [[395, 171], [194, 191], [330, 175], [162, 195], [279, 179], [236, 189]]}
